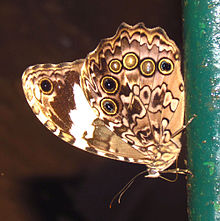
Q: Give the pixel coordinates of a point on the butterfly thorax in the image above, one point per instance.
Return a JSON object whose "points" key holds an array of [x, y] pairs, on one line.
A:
{"points": [[161, 156]]}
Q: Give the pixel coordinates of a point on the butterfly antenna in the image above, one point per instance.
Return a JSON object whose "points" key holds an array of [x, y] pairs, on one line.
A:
{"points": [[176, 172], [125, 188]]}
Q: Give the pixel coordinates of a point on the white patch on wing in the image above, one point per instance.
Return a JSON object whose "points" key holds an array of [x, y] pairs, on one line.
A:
{"points": [[131, 159], [32, 102], [37, 93], [42, 117], [57, 132], [174, 104], [101, 153], [121, 158], [82, 117]]}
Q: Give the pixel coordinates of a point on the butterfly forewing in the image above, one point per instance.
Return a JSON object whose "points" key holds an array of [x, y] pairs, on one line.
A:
{"points": [[147, 107]]}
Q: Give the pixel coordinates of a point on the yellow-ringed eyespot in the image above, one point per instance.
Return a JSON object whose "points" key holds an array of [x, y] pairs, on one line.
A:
{"points": [[109, 84], [130, 61], [165, 66], [147, 67], [46, 85], [109, 106], [115, 66]]}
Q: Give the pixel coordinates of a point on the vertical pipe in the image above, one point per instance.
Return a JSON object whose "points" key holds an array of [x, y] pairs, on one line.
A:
{"points": [[202, 80]]}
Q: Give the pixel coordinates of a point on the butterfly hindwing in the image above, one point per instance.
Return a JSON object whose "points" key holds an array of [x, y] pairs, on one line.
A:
{"points": [[65, 111]]}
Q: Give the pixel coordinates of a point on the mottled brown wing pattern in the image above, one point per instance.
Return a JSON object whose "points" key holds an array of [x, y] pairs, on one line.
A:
{"points": [[55, 95], [125, 101]]}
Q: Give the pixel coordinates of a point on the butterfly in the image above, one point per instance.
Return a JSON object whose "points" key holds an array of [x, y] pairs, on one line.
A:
{"points": [[124, 101]]}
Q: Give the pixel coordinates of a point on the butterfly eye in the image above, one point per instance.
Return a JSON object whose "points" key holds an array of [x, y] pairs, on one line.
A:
{"points": [[109, 106], [109, 84], [130, 61], [147, 67], [165, 66], [115, 66], [46, 85]]}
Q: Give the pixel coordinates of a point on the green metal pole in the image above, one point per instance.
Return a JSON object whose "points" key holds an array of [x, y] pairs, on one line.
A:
{"points": [[202, 80]]}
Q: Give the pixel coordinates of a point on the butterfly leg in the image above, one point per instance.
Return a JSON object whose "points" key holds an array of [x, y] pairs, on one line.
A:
{"points": [[156, 174], [184, 126], [177, 171]]}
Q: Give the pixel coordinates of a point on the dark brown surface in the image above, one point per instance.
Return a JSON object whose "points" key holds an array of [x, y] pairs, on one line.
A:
{"points": [[43, 178]]}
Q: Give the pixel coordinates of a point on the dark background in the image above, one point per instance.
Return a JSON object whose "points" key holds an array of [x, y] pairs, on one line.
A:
{"points": [[43, 178]]}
